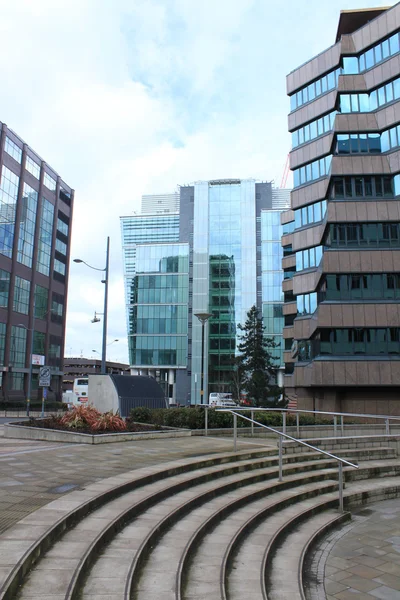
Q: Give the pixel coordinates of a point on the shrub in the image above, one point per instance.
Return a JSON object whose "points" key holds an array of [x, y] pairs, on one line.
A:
{"points": [[88, 417], [141, 414]]}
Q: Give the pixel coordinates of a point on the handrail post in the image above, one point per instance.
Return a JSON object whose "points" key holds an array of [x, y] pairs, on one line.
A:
{"points": [[387, 426], [335, 425], [340, 465], [206, 421], [298, 424], [252, 422], [280, 458], [342, 425], [234, 431], [283, 422]]}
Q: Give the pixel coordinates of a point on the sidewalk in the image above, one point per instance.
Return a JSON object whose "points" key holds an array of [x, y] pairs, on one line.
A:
{"points": [[33, 473]]}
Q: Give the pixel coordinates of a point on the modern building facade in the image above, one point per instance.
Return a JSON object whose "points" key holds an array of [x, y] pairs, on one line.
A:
{"points": [[342, 281], [219, 254], [35, 231], [156, 204]]}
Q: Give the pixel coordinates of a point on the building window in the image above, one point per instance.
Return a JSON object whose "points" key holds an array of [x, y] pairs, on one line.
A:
{"points": [[32, 167], [369, 186], [8, 202], [309, 258], [41, 301], [61, 247], [314, 129], [27, 226], [360, 286], [364, 235], [18, 346], [13, 150], [313, 213], [49, 182], [312, 171], [316, 88], [4, 287], [21, 295], [16, 381], [57, 308], [306, 304], [59, 267], [288, 228], [359, 143], [385, 94], [39, 343], [55, 351], [45, 237]]}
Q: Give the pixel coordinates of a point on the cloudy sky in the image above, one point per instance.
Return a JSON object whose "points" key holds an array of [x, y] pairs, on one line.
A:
{"points": [[131, 97]]}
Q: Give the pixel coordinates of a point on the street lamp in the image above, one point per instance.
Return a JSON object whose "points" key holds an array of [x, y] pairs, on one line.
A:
{"points": [[203, 318], [105, 281]]}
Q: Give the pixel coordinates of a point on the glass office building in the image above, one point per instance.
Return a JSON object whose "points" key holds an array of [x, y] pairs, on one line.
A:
{"points": [[224, 235], [35, 233]]}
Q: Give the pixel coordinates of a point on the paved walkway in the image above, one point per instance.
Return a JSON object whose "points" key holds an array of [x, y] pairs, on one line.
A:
{"points": [[33, 473], [364, 564]]}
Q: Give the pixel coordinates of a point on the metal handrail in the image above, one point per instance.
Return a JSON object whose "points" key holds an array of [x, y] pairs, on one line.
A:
{"points": [[281, 435]]}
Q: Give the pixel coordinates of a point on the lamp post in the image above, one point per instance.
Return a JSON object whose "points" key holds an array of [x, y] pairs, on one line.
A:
{"points": [[109, 344], [203, 318], [105, 281]]}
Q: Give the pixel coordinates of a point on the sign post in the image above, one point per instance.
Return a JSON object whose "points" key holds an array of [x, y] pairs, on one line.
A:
{"points": [[44, 382]]}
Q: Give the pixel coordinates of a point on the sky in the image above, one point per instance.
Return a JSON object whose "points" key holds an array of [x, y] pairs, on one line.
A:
{"points": [[131, 97]]}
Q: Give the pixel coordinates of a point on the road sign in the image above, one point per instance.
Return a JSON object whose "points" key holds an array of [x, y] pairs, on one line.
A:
{"points": [[44, 377]]}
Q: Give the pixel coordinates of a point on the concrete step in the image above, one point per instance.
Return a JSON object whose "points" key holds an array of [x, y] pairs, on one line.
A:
{"points": [[343, 443], [90, 534]]}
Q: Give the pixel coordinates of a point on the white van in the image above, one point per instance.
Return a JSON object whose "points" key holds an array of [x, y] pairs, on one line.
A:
{"points": [[221, 399]]}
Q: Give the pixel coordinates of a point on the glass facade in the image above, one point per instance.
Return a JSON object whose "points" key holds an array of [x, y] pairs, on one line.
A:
{"points": [[49, 182], [32, 167], [359, 143], [309, 258], [45, 237], [360, 286], [385, 94], [18, 346], [364, 235], [27, 226], [368, 186], [13, 150], [3, 328], [4, 287], [8, 205], [313, 213]]}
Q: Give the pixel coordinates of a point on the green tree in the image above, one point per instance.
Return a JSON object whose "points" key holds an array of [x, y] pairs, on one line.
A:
{"points": [[258, 363]]}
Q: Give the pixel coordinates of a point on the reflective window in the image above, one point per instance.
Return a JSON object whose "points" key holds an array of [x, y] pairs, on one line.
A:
{"points": [[2, 342], [306, 304], [13, 150], [61, 247], [57, 308], [312, 171], [62, 226], [382, 235], [27, 226], [38, 343], [4, 287], [313, 213], [158, 319], [21, 295], [360, 143], [18, 346], [314, 129], [162, 350], [32, 167], [360, 340], [368, 102], [41, 301], [163, 258], [288, 227], [49, 182], [364, 286], [8, 202], [316, 88], [45, 237], [59, 266], [54, 351], [376, 186], [161, 289], [310, 258]]}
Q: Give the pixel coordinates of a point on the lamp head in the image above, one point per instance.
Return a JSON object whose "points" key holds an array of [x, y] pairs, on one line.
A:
{"points": [[78, 260]]}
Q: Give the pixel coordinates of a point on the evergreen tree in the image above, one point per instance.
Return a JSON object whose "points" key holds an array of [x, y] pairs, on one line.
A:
{"points": [[257, 362]]}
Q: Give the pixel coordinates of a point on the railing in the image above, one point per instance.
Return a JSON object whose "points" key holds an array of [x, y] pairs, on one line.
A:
{"points": [[281, 434], [335, 415]]}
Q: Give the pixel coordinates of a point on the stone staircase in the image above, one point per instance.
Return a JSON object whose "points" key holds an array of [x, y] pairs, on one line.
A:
{"points": [[220, 527]]}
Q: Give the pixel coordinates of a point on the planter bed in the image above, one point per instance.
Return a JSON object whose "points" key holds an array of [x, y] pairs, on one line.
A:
{"points": [[25, 431]]}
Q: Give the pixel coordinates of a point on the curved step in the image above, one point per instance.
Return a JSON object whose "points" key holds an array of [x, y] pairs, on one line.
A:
{"points": [[98, 529], [47, 525]]}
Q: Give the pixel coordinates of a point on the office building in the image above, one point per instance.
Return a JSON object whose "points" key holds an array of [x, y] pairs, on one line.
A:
{"points": [[156, 204], [221, 254], [35, 232], [342, 281]]}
